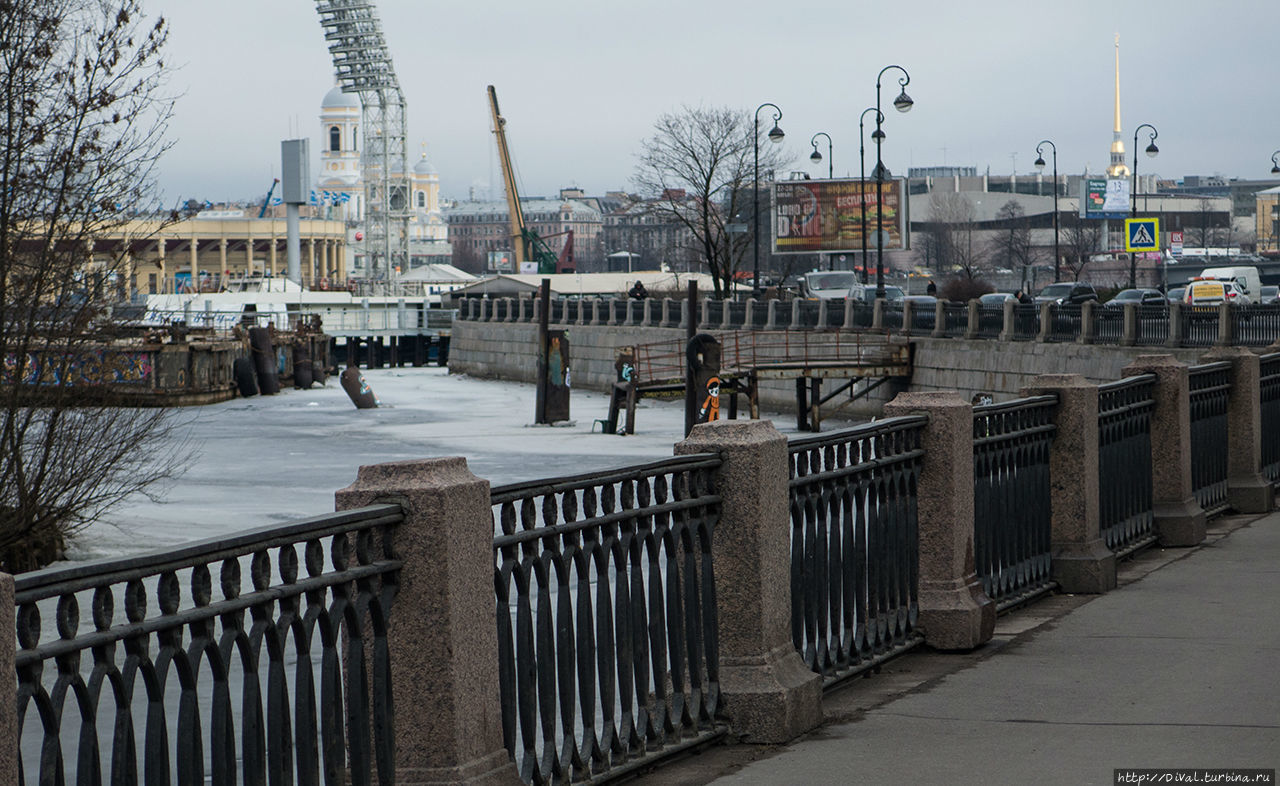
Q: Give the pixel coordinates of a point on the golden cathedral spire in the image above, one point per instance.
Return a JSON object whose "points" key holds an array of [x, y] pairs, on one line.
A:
{"points": [[1118, 167]]}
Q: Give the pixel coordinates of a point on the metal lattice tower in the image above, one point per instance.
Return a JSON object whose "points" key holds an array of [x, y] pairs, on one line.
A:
{"points": [[363, 66]]}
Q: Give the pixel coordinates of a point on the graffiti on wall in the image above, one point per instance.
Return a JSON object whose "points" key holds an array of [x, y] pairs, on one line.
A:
{"points": [[91, 367]]}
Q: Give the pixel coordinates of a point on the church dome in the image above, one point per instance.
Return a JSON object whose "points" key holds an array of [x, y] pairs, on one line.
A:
{"points": [[423, 167], [336, 99]]}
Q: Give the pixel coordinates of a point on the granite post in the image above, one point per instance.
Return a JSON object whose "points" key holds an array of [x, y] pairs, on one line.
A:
{"points": [[1088, 325], [1179, 519], [1082, 563], [955, 613], [1008, 321], [1247, 490], [770, 696], [1174, 338], [974, 324], [442, 634]]}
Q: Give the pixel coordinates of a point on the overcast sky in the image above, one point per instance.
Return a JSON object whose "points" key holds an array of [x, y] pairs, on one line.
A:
{"points": [[582, 81]]}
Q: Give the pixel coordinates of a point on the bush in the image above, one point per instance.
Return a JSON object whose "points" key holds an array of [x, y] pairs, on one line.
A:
{"points": [[962, 289]]}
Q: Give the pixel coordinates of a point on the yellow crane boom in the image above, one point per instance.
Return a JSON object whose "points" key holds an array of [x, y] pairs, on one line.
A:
{"points": [[509, 181]]}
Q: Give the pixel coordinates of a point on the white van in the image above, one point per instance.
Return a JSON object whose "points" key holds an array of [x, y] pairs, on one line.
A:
{"points": [[1244, 277]]}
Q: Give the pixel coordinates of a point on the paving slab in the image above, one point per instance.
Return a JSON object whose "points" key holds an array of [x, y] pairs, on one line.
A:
{"points": [[1176, 668]]}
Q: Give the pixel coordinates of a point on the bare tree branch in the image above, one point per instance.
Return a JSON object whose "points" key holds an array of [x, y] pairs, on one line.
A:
{"points": [[83, 118], [698, 168]]}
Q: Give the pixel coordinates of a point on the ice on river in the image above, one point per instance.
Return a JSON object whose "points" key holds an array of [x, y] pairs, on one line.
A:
{"points": [[267, 460]]}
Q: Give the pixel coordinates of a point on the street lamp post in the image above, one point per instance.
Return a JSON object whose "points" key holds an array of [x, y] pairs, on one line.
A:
{"points": [[816, 157], [862, 179], [1275, 170], [902, 103], [1040, 166], [1133, 197], [775, 136]]}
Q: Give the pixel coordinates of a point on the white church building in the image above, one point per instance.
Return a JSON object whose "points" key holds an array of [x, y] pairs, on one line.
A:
{"points": [[339, 190]]}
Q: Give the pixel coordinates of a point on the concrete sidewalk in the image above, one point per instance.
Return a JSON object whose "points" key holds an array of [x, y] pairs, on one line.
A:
{"points": [[1178, 667]]}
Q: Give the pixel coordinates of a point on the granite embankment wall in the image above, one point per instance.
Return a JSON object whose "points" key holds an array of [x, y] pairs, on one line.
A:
{"points": [[505, 350]]}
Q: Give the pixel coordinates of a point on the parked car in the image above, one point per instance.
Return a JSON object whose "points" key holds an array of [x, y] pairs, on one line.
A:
{"points": [[1139, 297], [829, 285], [1214, 292], [1245, 277], [1176, 294], [996, 298], [1270, 295], [867, 293], [1068, 293]]}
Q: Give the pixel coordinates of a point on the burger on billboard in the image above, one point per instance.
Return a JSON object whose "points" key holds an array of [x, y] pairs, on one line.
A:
{"points": [[827, 215]]}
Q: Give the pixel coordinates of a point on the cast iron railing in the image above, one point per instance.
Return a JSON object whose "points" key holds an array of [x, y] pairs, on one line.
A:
{"points": [[782, 315], [1153, 326], [955, 319], [808, 314], [654, 307], [863, 314], [854, 545], [1210, 388], [1255, 325], [1124, 463], [1026, 321], [923, 318], [606, 607], [891, 316], [835, 314], [990, 321], [1108, 324], [715, 314], [1269, 399], [1064, 322], [1199, 326], [291, 673], [1011, 511], [737, 311]]}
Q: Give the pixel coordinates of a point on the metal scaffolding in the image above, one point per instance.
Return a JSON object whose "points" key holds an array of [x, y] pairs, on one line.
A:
{"points": [[363, 66]]}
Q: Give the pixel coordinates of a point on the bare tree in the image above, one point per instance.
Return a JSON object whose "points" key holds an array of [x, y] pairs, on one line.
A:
{"points": [[1081, 239], [949, 234], [1011, 247], [84, 117], [698, 170]]}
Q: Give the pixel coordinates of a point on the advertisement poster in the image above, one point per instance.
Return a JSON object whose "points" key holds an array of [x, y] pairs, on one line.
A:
{"points": [[826, 215], [1116, 205], [1104, 198]]}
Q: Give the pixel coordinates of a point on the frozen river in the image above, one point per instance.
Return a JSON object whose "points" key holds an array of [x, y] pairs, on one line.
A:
{"points": [[272, 459]]}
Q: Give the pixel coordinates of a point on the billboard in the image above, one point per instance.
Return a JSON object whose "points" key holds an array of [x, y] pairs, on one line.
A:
{"points": [[501, 262], [1104, 197], [826, 215]]}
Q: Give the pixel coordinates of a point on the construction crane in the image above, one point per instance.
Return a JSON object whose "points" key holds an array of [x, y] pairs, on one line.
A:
{"points": [[529, 245], [363, 66], [275, 182]]}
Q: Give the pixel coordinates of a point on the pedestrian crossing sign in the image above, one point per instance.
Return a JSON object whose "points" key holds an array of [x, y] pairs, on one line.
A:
{"points": [[1142, 234]]}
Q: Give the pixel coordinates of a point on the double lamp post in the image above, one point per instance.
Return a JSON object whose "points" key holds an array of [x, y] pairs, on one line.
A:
{"points": [[902, 103]]}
